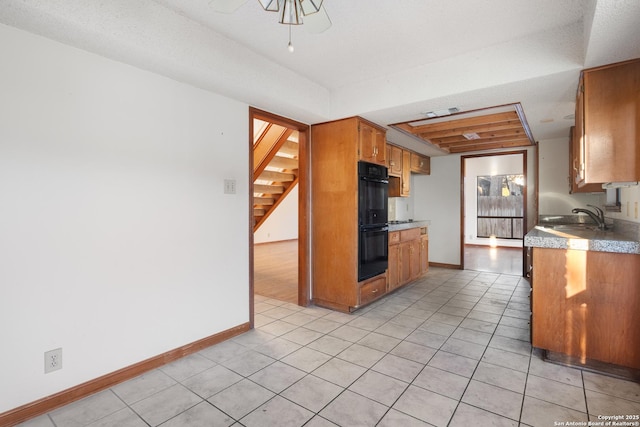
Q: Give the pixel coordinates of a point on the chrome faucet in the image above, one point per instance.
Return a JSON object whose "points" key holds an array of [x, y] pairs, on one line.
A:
{"points": [[598, 217]]}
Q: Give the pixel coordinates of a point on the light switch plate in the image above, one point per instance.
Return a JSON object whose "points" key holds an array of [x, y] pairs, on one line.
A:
{"points": [[229, 186]]}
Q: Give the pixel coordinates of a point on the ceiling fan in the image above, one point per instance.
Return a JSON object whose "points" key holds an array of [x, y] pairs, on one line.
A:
{"points": [[291, 12]]}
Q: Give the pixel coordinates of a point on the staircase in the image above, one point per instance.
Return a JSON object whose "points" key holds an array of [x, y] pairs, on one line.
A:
{"points": [[275, 167]]}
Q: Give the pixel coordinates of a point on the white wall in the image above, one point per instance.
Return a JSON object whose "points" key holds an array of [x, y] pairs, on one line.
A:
{"points": [[554, 188], [282, 224], [630, 205], [554, 196], [116, 240], [437, 198]]}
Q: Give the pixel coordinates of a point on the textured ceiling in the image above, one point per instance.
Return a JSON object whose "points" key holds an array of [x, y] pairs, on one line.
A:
{"points": [[386, 61]]}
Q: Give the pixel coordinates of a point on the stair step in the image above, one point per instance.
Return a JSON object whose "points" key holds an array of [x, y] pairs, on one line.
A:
{"points": [[263, 201], [268, 189], [257, 212], [276, 176], [290, 147], [284, 163]]}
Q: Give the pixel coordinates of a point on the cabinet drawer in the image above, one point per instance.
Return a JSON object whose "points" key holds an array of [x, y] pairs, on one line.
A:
{"points": [[410, 234], [394, 237], [373, 289]]}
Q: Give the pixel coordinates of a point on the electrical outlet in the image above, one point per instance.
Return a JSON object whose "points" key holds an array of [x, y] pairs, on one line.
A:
{"points": [[53, 360]]}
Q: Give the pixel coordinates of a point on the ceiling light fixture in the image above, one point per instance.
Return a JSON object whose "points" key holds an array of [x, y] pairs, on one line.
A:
{"points": [[441, 113], [291, 11], [469, 136]]}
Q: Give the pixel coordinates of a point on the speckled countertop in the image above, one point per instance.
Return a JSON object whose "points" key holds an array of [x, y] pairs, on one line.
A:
{"points": [[405, 225], [622, 237]]}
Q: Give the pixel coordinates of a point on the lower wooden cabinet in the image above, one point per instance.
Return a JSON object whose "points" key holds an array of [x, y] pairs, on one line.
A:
{"points": [[424, 252], [408, 256], [373, 289], [393, 271], [585, 305]]}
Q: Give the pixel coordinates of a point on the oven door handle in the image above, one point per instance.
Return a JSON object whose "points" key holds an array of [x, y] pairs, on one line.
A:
{"points": [[374, 228], [381, 180]]}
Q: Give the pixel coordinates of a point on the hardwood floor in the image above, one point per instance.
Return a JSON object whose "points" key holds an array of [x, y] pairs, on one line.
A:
{"points": [[494, 260], [275, 270]]}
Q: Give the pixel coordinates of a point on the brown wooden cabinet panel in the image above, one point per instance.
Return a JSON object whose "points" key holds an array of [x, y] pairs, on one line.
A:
{"points": [[405, 262], [373, 289], [408, 256], [405, 182], [401, 164], [608, 112], [424, 254], [574, 166], [585, 305], [420, 164], [393, 271], [395, 160], [414, 260], [372, 144], [336, 148]]}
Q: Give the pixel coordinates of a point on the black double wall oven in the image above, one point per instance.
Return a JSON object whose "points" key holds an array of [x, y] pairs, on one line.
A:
{"points": [[373, 206]]}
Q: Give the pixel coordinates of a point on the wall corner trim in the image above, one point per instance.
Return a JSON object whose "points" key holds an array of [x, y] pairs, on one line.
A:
{"points": [[64, 397]]}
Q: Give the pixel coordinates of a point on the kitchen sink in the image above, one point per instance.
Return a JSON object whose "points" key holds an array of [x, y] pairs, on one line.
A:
{"points": [[578, 230], [570, 227]]}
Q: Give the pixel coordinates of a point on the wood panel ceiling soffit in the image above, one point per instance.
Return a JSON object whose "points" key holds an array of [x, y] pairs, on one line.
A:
{"points": [[477, 130]]}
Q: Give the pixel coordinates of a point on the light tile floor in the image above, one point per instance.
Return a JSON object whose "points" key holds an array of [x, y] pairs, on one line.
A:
{"points": [[451, 349]]}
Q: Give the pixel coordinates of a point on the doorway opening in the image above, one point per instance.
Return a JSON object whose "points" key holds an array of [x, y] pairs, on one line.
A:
{"points": [[278, 253], [494, 212]]}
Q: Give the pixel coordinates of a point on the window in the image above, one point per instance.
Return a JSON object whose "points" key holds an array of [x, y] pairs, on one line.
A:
{"points": [[501, 206]]}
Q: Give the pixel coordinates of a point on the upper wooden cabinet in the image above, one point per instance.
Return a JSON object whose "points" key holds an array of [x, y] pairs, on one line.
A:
{"points": [[394, 160], [405, 181], [372, 143], [420, 164], [608, 124], [574, 162], [401, 164]]}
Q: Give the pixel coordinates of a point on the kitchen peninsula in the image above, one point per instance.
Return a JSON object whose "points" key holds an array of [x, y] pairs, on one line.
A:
{"points": [[585, 295]]}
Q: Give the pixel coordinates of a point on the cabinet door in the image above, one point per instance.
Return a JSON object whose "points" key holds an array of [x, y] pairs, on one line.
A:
{"points": [[584, 305], [373, 289], [424, 254], [420, 164], [395, 160], [405, 262], [371, 144], [393, 271], [612, 123], [405, 182], [414, 259], [574, 166], [577, 167], [381, 147]]}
